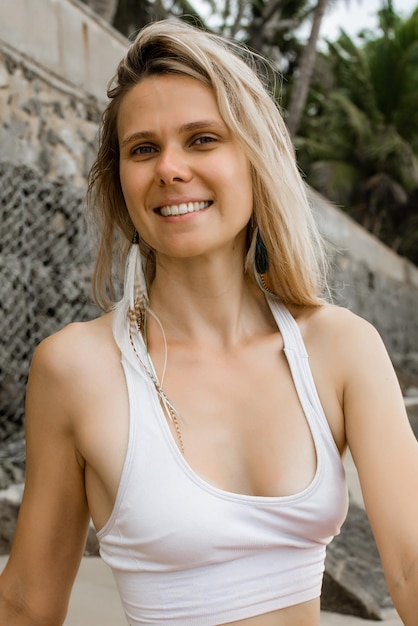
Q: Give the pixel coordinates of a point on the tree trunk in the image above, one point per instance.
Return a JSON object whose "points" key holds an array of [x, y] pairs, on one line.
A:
{"points": [[301, 85], [105, 8]]}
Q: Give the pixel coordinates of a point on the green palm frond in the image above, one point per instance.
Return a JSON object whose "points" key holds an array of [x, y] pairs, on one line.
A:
{"points": [[392, 153], [353, 119]]}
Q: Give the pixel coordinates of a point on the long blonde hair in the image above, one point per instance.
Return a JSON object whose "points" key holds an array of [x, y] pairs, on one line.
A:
{"points": [[297, 263]]}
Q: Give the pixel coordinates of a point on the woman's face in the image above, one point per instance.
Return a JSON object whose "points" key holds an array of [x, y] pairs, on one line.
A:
{"points": [[185, 179]]}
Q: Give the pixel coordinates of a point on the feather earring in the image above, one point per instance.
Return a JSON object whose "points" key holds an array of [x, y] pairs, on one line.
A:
{"points": [[135, 286], [131, 307], [261, 259], [258, 256]]}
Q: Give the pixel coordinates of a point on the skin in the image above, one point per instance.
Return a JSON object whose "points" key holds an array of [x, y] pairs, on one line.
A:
{"points": [[218, 329]]}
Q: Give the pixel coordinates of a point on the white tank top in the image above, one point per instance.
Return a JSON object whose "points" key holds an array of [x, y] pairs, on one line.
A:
{"points": [[186, 553]]}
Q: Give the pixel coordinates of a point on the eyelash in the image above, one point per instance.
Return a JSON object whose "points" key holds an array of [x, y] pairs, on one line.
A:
{"points": [[206, 137], [138, 150], [145, 150]]}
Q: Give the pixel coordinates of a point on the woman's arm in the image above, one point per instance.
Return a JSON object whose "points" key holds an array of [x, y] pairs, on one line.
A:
{"points": [[53, 520], [385, 452]]}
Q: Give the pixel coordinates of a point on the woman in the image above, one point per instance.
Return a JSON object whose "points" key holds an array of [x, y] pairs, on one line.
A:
{"points": [[187, 420]]}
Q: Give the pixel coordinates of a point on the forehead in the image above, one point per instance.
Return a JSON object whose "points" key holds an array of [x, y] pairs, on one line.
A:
{"points": [[168, 99]]}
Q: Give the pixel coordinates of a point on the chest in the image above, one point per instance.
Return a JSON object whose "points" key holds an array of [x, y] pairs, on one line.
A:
{"points": [[240, 417], [184, 508]]}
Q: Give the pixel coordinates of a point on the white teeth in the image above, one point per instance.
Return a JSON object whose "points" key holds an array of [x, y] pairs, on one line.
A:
{"points": [[181, 209]]}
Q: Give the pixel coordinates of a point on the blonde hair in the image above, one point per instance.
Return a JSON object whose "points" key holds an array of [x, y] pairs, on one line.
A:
{"points": [[297, 264]]}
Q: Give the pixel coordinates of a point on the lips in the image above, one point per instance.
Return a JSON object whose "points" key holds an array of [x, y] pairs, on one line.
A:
{"points": [[183, 208]]}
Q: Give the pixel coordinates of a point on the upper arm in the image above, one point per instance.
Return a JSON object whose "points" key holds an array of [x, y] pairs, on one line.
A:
{"points": [[382, 444], [53, 518]]}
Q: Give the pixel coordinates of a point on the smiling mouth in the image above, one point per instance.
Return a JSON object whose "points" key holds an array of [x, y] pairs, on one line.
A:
{"points": [[183, 208]]}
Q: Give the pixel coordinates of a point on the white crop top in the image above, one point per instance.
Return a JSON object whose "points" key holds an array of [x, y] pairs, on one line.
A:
{"points": [[185, 553]]}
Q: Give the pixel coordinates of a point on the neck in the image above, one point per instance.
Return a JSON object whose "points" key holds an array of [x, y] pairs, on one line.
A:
{"points": [[205, 301]]}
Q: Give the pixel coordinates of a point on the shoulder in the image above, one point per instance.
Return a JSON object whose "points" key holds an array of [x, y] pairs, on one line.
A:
{"points": [[343, 344], [77, 339], [335, 324], [76, 349], [72, 372]]}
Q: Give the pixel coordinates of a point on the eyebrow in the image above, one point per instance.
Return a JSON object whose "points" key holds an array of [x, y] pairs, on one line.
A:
{"points": [[184, 128]]}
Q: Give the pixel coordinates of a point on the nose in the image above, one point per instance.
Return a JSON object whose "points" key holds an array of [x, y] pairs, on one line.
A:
{"points": [[173, 166]]}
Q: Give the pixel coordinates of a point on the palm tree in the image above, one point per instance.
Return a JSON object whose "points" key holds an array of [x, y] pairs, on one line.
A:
{"points": [[359, 140], [306, 67]]}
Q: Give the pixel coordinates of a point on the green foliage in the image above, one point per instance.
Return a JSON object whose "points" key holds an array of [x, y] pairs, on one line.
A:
{"points": [[131, 15], [359, 140]]}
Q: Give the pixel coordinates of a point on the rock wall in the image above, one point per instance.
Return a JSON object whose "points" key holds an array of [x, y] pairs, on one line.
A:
{"points": [[64, 38], [45, 265], [43, 125], [371, 280], [56, 58]]}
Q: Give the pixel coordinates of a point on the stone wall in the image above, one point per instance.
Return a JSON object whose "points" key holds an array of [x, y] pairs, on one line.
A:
{"points": [[45, 266], [64, 38], [371, 280], [56, 58], [42, 124]]}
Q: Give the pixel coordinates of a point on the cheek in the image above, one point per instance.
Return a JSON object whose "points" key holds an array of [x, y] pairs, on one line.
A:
{"points": [[126, 181], [132, 188], [133, 199]]}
